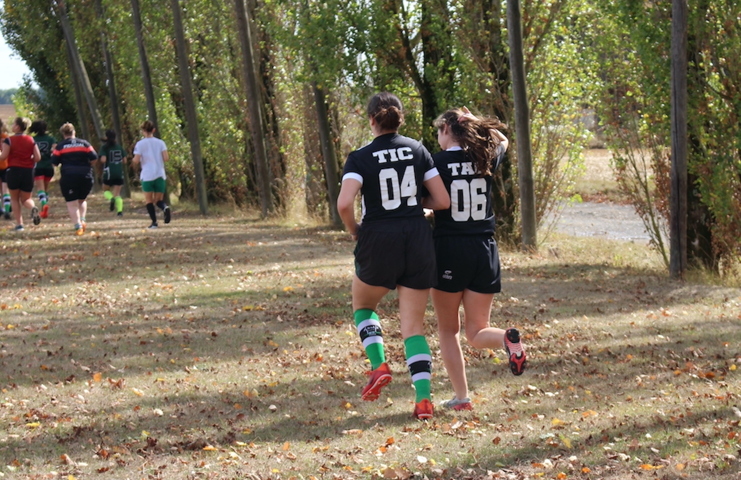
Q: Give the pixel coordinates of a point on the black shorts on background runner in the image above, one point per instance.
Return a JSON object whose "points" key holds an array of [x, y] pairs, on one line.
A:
{"points": [[468, 262], [113, 181], [75, 187], [396, 252], [47, 172], [19, 178]]}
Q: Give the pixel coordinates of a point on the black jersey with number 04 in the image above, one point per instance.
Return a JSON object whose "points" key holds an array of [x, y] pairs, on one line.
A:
{"points": [[391, 169], [470, 211]]}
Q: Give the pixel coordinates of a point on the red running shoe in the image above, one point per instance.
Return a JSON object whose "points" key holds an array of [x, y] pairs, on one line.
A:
{"points": [[423, 410], [44, 213], [379, 378], [515, 351]]}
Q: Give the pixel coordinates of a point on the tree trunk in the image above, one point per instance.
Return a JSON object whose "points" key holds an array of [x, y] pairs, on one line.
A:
{"points": [[249, 70], [146, 75], [191, 117], [79, 101], [700, 221], [489, 50], [79, 68], [331, 169], [269, 94], [678, 223], [522, 128], [315, 184], [498, 61], [112, 92], [438, 72], [405, 59]]}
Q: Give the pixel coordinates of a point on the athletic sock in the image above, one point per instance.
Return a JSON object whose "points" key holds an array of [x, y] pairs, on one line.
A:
{"points": [[152, 213], [108, 194], [43, 198], [161, 204], [419, 361], [6, 202], [369, 329], [119, 204]]}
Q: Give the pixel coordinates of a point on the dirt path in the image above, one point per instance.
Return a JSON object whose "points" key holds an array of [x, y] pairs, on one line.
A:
{"points": [[608, 220], [612, 220]]}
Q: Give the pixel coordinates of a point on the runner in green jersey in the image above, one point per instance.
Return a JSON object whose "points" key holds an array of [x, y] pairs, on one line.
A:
{"points": [[44, 171], [113, 158]]}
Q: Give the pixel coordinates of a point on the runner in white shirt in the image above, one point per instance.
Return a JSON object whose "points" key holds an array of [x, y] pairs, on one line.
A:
{"points": [[151, 153]]}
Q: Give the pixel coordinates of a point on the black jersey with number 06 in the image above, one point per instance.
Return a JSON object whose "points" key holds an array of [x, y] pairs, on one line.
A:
{"points": [[391, 169], [470, 211]]}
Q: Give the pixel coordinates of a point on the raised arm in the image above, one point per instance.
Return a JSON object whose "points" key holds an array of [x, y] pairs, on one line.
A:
{"points": [[502, 139]]}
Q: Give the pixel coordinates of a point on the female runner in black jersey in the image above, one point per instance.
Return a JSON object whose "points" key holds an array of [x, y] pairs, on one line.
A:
{"points": [[467, 255], [76, 156], [394, 248]]}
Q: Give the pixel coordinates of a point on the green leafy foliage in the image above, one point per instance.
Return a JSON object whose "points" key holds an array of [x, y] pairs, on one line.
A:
{"points": [[434, 55], [635, 109], [32, 31]]}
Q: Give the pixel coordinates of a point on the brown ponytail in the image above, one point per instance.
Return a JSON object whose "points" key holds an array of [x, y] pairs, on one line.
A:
{"points": [[474, 135], [385, 109]]}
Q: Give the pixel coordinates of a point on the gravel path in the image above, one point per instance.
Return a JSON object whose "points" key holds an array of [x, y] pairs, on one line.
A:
{"points": [[607, 220]]}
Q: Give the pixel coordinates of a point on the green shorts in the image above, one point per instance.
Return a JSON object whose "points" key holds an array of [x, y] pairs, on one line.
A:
{"points": [[157, 185]]}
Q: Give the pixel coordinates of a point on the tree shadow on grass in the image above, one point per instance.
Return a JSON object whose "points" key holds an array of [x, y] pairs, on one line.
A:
{"points": [[302, 410], [245, 333], [631, 436], [230, 324]]}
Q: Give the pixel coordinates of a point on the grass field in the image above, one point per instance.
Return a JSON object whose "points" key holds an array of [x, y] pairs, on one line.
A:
{"points": [[223, 348], [598, 182]]}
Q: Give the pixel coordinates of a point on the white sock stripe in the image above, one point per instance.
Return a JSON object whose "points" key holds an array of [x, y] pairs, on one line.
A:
{"points": [[372, 340], [420, 357], [421, 376], [368, 322]]}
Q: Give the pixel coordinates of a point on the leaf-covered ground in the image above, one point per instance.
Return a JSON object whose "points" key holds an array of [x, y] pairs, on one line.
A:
{"points": [[223, 348]]}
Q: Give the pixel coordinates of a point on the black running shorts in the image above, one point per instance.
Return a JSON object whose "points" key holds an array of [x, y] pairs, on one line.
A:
{"points": [[75, 187], [396, 252], [112, 181], [46, 172], [19, 178], [468, 263]]}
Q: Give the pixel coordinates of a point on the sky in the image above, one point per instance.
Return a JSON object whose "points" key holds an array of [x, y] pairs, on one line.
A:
{"points": [[12, 68]]}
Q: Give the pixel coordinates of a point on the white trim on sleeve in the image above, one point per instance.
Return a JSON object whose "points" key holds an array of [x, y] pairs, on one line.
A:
{"points": [[431, 173], [352, 175]]}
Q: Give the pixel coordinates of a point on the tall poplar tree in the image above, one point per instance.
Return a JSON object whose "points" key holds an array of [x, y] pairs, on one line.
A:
{"points": [[79, 67], [146, 74], [255, 107], [189, 106]]}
